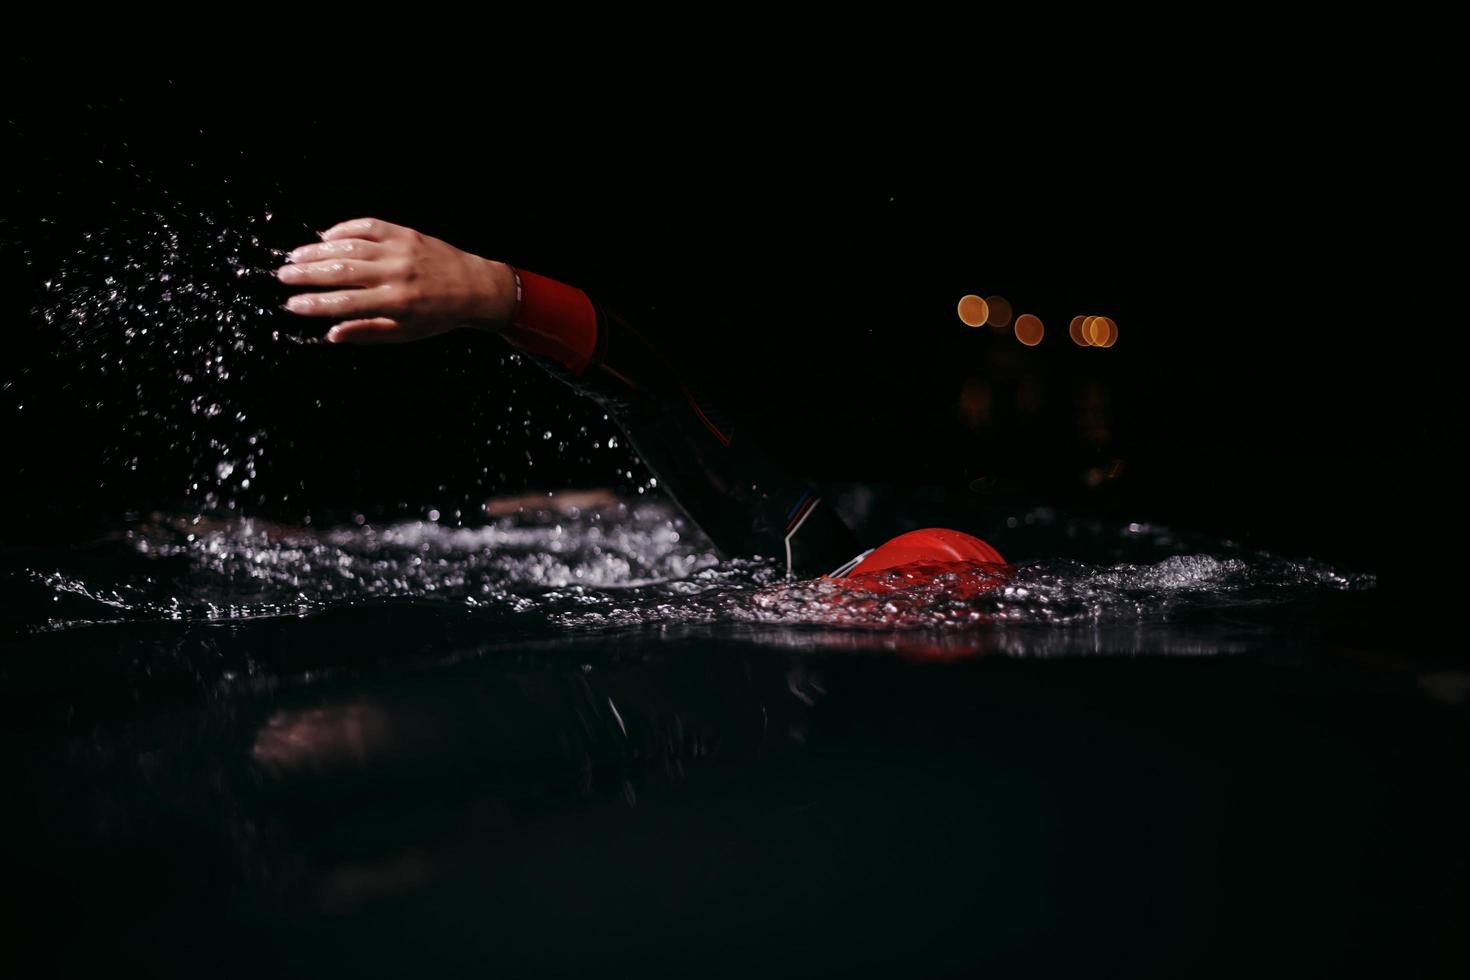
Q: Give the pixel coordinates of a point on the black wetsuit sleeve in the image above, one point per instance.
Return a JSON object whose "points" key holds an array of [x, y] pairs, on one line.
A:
{"points": [[746, 504]]}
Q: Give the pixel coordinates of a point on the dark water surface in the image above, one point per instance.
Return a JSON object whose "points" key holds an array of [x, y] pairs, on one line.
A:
{"points": [[578, 741]]}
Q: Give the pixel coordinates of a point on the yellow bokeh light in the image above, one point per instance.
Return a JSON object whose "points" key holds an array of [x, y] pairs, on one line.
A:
{"points": [[973, 311], [1112, 337], [1029, 329], [1000, 311]]}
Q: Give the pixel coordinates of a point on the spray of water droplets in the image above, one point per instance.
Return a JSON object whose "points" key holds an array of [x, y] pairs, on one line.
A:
{"points": [[170, 319], [170, 325]]}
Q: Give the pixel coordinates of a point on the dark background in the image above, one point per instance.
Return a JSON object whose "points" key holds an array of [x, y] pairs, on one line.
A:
{"points": [[1276, 241], [1273, 255]]}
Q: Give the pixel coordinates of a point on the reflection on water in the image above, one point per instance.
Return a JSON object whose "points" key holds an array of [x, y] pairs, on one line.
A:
{"points": [[639, 785], [321, 797]]}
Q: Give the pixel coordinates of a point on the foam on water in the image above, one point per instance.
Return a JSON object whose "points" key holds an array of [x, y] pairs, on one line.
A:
{"points": [[635, 566]]}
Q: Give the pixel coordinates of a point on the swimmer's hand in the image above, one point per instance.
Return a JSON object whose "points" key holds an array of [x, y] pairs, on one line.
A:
{"points": [[394, 284]]}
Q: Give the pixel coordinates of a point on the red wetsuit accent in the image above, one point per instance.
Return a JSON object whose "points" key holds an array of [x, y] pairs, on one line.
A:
{"points": [[554, 320]]}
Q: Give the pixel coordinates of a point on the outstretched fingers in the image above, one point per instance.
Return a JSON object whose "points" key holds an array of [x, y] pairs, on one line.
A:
{"points": [[368, 302]]}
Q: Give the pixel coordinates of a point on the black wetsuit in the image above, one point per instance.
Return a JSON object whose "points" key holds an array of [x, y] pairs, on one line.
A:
{"points": [[745, 503]]}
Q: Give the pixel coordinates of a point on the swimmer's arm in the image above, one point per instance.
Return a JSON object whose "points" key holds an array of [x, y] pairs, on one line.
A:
{"points": [[390, 284], [401, 285]]}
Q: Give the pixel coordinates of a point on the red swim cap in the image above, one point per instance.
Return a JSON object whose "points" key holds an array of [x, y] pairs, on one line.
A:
{"points": [[935, 544]]}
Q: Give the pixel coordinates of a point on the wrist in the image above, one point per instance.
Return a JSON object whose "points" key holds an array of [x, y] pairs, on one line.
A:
{"points": [[500, 297]]}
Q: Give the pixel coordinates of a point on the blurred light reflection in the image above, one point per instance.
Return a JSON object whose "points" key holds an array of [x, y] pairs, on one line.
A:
{"points": [[973, 311], [1000, 311], [1029, 329]]}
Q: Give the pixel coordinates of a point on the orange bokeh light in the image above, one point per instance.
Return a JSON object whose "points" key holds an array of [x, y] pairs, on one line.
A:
{"points": [[1074, 330], [973, 311], [1000, 311], [1029, 329], [1102, 331]]}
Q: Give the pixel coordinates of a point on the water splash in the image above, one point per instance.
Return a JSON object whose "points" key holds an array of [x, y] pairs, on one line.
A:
{"points": [[167, 327], [638, 565]]}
